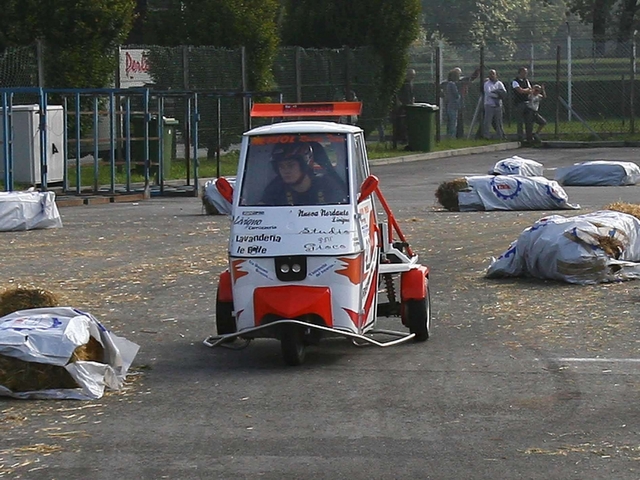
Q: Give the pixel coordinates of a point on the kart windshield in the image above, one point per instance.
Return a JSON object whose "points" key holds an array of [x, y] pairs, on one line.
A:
{"points": [[320, 173]]}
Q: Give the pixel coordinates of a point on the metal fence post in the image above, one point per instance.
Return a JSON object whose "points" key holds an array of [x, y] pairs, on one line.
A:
{"points": [[96, 146], [6, 144], [194, 127], [347, 74], [186, 129], [298, 74], [531, 59], [632, 99], [437, 89], [112, 146], [40, 61], [43, 140], [245, 107], [569, 100], [557, 126]]}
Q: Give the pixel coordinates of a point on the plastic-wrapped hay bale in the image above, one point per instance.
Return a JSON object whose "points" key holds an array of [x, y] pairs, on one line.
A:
{"points": [[60, 353], [503, 192], [599, 173], [447, 193], [28, 211], [212, 201], [518, 166], [598, 247], [23, 298]]}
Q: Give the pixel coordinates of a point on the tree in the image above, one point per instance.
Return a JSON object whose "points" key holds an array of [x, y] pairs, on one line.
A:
{"points": [[388, 26], [628, 11], [80, 36], [598, 14], [472, 22], [222, 23]]}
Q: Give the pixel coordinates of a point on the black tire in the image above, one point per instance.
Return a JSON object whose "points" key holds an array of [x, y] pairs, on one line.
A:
{"points": [[418, 316], [225, 323], [292, 344]]}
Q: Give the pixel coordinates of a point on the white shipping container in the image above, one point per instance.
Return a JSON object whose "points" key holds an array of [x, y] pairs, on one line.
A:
{"points": [[25, 121]]}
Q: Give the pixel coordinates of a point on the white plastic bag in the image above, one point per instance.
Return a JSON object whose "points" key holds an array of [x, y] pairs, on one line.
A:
{"points": [[513, 192], [51, 335], [28, 211], [570, 250], [599, 173]]}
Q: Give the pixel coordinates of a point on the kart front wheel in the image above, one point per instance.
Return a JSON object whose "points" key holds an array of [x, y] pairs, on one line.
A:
{"points": [[292, 344], [418, 316]]}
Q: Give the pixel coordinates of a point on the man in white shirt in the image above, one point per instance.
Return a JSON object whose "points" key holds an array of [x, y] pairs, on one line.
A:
{"points": [[494, 92]]}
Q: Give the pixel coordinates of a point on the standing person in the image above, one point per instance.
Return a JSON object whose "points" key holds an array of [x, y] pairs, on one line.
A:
{"points": [[452, 100], [462, 86], [404, 97], [494, 92], [533, 114], [521, 91]]}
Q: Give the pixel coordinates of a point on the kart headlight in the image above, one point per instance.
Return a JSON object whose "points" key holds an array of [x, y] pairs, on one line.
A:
{"points": [[291, 268]]}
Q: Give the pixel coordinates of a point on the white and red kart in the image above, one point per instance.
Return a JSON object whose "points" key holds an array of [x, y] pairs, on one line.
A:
{"points": [[300, 272]]}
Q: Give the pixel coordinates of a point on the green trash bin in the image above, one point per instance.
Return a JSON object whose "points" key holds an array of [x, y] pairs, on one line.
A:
{"points": [[137, 145], [420, 126]]}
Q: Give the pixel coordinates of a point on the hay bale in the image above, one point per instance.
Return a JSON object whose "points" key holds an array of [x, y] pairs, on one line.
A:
{"points": [[611, 246], [628, 208], [24, 298], [208, 206], [22, 376], [447, 193], [90, 352]]}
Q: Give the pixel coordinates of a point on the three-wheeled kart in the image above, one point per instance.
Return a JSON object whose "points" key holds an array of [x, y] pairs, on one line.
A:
{"points": [[301, 270]]}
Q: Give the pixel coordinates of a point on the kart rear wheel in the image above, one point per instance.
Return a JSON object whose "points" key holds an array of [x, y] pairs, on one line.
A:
{"points": [[292, 344], [225, 323], [418, 316]]}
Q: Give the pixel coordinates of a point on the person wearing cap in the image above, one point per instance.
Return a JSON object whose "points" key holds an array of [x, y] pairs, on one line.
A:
{"points": [[297, 184]]}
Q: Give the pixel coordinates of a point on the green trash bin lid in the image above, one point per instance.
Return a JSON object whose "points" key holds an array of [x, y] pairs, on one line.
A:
{"points": [[427, 106]]}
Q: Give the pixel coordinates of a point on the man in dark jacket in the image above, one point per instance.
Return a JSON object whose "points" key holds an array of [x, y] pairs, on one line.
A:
{"points": [[521, 91]]}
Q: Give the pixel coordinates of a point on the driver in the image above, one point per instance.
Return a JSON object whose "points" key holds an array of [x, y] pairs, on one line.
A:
{"points": [[296, 183]]}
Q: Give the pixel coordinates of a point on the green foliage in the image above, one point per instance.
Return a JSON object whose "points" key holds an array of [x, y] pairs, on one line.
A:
{"points": [[80, 36], [500, 22], [389, 26], [222, 23]]}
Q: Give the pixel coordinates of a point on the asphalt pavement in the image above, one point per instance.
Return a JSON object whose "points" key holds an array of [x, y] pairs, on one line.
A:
{"points": [[521, 379]]}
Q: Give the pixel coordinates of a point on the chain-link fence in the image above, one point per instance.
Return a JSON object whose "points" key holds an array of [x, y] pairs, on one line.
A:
{"points": [[20, 67], [590, 87]]}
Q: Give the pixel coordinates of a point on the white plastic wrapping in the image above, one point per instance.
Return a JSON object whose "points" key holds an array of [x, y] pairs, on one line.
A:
{"points": [[518, 166], [569, 249], [213, 196], [50, 336], [599, 173], [28, 211], [513, 192]]}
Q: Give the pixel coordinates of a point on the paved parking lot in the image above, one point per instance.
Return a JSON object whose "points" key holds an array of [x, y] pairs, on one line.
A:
{"points": [[522, 379]]}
